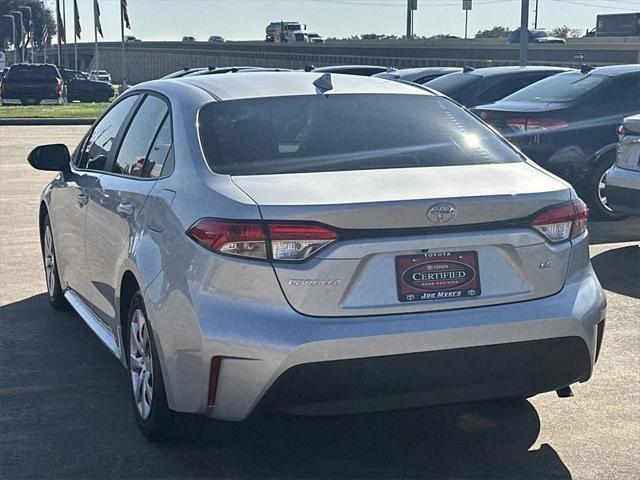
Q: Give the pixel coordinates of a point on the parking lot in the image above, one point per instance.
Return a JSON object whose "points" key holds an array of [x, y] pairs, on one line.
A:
{"points": [[65, 410]]}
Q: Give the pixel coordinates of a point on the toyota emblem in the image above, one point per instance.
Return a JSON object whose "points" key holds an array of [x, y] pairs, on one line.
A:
{"points": [[441, 213]]}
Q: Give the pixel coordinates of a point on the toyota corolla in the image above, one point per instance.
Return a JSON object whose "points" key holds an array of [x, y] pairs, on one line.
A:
{"points": [[315, 243]]}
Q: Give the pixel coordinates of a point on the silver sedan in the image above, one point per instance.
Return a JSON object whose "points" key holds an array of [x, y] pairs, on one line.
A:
{"points": [[315, 243]]}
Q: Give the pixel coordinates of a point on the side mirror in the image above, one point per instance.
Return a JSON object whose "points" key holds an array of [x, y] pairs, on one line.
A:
{"points": [[55, 158]]}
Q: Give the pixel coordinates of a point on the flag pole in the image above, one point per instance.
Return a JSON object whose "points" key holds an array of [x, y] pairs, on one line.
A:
{"points": [[44, 42], [64, 22], [75, 34], [96, 59], [123, 83], [59, 30]]}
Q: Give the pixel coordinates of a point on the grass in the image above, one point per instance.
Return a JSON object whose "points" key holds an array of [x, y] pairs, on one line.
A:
{"points": [[71, 110]]}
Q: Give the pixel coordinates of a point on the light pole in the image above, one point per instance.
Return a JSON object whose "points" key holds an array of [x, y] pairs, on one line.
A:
{"points": [[13, 26], [524, 32], [535, 21], [17, 12], [29, 27]]}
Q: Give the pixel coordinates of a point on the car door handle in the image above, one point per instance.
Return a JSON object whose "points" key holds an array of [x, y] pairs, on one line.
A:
{"points": [[82, 199], [126, 209]]}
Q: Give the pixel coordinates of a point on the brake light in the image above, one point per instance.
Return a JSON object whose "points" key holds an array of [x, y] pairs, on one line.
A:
{"points": [[271, 241], [535, 124], [59, 88], [621, 132], [3, 88], [562, 223]]}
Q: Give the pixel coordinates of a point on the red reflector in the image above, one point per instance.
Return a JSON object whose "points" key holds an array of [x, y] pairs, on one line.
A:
{"points": [[213, 380]]}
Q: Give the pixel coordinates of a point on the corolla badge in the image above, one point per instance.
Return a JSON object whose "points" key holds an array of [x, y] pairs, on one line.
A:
{"points": [[441, 213]]}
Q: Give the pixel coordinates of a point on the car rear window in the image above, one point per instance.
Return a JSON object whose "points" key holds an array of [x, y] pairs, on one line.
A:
{"points": [[17, 72], [323, 133], [561, 88], [453, 83]]}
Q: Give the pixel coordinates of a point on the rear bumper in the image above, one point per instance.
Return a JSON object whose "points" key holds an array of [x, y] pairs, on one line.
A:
{"points": [[623, 190], [274, 357], [37, 101], [519, 369]]}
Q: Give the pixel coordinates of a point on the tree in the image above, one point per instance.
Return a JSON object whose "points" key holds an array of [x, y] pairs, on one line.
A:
{"points": [[565, 32], [495, 32], [39, 17]]}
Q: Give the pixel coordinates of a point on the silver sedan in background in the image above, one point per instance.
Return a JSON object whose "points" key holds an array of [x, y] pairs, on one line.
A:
{"points": [[315, 243], [623, 180]]}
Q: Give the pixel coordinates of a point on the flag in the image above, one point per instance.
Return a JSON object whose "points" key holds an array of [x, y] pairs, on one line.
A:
{"points": [[96, 14], [76, 20], [125, 13], [45, 34], [62, 34]]}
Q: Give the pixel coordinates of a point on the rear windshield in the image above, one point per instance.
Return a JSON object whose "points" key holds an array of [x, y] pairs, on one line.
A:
{"points": [[322, 133], [453, 83], [17, 72], [562, 88]]}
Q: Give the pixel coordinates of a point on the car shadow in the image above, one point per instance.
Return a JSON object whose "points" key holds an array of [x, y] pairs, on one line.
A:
{"points": [[619, 270], [612, 231], [67, 413]]}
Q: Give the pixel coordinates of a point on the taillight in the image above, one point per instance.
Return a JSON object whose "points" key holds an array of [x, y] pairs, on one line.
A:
{"points": [[3, 88], [298, 242], [231, 238], [562, 223], [270, 241], [535, 124], [59, 88], [621, 132]]}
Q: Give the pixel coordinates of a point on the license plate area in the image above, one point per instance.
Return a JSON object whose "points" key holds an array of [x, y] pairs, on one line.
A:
{"points": [[437, 276]]}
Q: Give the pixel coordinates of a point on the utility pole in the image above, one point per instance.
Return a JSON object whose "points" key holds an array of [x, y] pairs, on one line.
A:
{"points": [[524, 32], [123, 83], [535, 20], [13, 27], [60, 28]]}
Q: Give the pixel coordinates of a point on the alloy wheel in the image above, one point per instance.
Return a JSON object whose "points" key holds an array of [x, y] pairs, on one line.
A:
{"points": [[49, 261], [602, 192], [141, 363]]}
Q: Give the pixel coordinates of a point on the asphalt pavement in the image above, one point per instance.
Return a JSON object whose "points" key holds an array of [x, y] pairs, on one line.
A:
{"points": [[66, 412]]}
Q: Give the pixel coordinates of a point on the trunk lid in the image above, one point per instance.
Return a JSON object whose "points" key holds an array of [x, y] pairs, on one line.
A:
{"points": [[382, 217]]}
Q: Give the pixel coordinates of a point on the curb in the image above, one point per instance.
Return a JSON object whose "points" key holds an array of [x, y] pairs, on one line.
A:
{"points": [[45, 121]]}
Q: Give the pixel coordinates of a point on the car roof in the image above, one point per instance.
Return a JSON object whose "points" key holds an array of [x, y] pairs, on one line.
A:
{"points": [[408, 73], [489, 71], [614, 70], [242, 85]]}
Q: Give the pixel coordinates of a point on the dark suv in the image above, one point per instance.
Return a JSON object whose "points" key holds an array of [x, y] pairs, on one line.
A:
{"points": [[33, 84], [568, 123], [80, 87]]}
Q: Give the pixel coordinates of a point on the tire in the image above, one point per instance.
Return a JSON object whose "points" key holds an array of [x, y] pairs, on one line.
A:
{"points": [[51, 277], [595, 194], [154, 418]]}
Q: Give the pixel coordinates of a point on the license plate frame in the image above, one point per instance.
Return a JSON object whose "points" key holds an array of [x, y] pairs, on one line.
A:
{"points": [[438, 276]]}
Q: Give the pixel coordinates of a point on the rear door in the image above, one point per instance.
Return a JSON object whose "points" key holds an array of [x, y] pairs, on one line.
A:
{"points": [[116, 205]]}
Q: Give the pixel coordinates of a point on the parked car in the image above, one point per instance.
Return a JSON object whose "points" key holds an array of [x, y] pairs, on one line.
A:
{"points": [[216, 39], [219, 250], [535, 36], [623, 180], [80, 87], [100, 75], [131, 39], [419, 75], [188, 39], [567, 124], [360, 70], [184, 72], [473, 87], [33, 84], [313, 38]]}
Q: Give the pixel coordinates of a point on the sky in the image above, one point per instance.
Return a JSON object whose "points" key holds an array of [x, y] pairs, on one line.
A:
{"points": [[247, 19]]}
